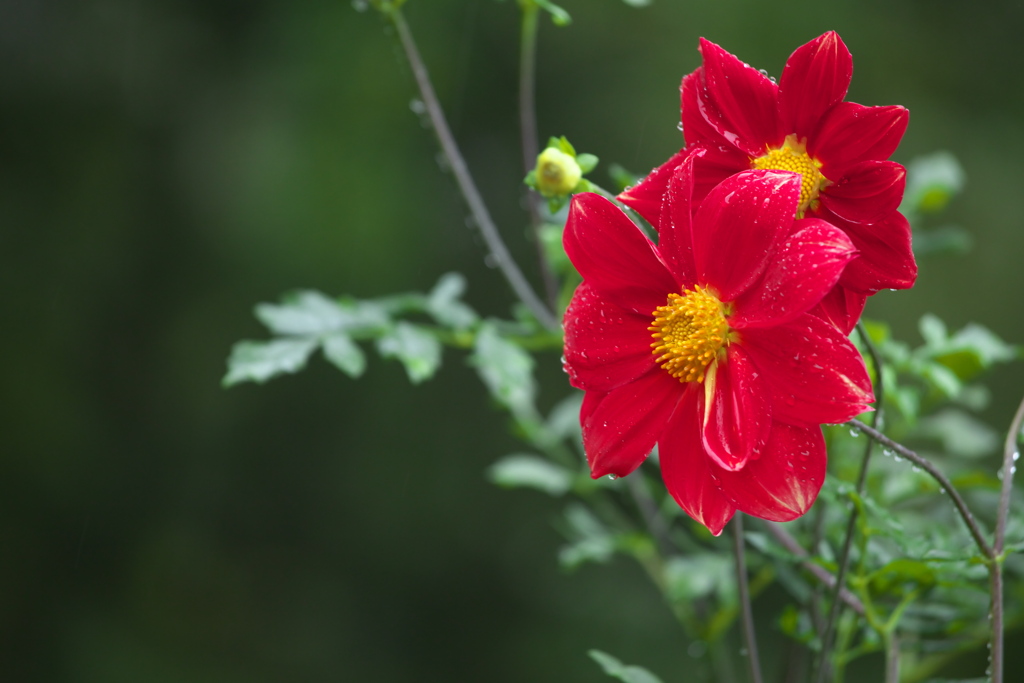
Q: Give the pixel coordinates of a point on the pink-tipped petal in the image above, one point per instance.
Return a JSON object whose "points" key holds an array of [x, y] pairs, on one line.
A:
{"points": [[614, 256], [739, 226], [814, 373], [816, 77], [842, 307], [737, 411], [784, 482], [691, 477], [747, 99], [805, 268], [621, 427], [606, 345], [675, 242], [868, 193], [886, 259], [646, 196], [851, 133]]}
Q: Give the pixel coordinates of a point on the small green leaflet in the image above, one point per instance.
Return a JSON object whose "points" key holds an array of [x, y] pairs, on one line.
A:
{"points": [[616, 669]]}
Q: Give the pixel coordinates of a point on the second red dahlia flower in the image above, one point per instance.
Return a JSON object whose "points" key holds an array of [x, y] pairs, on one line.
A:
{"points": [[703, 345]]}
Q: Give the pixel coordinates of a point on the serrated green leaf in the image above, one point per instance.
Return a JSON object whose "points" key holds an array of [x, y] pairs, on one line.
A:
{"points": [[505, 368], [586, 162], [259, 361], [305, 313], [344, 354], [626, 673], [444, 305], [418, 350], [531, 471]]}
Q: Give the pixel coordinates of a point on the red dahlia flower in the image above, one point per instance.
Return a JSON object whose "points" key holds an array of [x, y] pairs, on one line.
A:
{"points": [[745, 120], [703, 345]]}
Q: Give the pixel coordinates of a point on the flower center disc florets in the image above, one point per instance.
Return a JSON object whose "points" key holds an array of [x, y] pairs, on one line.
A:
{"points": [[793, 156], [689, 330]]}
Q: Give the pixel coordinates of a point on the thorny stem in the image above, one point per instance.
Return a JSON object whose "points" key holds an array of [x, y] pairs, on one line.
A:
{"points": [[1010, 454], [528, 136], [745, 606], [939, 477], [851, 524], [467, 187]]}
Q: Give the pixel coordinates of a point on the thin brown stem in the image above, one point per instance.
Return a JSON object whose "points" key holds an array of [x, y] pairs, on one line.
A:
{"points": [[816, 570], [746, 609], [467, 187], [939, 477], [1011, 452]]}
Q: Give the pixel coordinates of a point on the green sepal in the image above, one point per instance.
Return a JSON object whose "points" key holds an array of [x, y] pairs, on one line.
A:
{"points": [[586, 162]]}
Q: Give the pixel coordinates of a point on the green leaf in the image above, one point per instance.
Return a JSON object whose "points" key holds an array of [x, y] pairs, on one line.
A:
{"points": [[959, 433], [344, 354], [444, 305], [591, 542], [622, 178], [302, 313], [259, 361], [530, 471], [932, 181], [616, 669], [505, 368], [697, 576], [893, 577], [586, 162], [637, 3], [418, 350], [933, 330]]}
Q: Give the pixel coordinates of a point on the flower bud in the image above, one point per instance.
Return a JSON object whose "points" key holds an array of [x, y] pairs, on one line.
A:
{"points": [[557, 173]]}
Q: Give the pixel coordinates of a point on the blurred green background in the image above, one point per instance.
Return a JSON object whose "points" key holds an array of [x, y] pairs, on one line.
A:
{"points": [[165, 165]]}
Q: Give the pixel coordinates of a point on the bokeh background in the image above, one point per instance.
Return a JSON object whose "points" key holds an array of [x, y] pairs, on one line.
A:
{"points": [[166, 164]]}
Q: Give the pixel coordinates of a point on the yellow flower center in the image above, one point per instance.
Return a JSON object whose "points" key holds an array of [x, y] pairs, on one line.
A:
{"points": [[792, 156], [689, 331]]}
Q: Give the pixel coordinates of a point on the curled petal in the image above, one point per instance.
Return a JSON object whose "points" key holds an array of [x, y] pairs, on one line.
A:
{"points": [[816, 77], [737, 412], [815, 375], [614, 256], [747, 99], [646, 196], [738, 227], [842, 307], [804, 269], [886, 259], [621, 427], [784, 482], [702, 122], [690, 475], [850, 133], [606, 345], [868, 193]]}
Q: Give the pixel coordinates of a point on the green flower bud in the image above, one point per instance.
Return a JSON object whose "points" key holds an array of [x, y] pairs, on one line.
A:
{"points": [[557, 173]]}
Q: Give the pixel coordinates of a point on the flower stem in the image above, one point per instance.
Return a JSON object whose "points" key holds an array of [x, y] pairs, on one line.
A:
{"points": [[745, 606], [528, 136], [851, 524], [1011, 452], [467, 187], [939, 477]]}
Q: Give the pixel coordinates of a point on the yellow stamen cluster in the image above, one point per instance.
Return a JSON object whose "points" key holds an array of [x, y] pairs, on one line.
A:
{"points": [[689, 330], [792, 156]]}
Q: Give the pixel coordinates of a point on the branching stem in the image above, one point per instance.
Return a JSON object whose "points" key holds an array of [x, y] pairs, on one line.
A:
{"points": [[467, 187]]}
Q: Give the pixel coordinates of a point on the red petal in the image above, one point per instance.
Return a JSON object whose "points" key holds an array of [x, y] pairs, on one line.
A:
{"points": [[689, 474], [806, 266], [842, 307], [815, 77], [738, 227], [851, 133], [614, 256], [621, 427], [675, 243], [814, 373], [747, 99], [784, 482], [868, 193], [886, 258], [702, 122], [606, 345], [646, 196], [737, 411]]}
